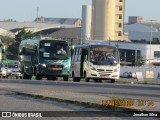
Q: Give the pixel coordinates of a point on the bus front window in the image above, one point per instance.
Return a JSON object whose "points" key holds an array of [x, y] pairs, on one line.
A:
{"points": [[54, 51], [103, 56]]}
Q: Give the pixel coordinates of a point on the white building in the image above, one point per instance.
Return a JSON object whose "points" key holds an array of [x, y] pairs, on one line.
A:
{"points": [[129, 52], [143, 32]]}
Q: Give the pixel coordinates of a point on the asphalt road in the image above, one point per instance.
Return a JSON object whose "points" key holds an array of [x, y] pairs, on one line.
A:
{"points": [[92, 92], [133, 91], [9, 101]]}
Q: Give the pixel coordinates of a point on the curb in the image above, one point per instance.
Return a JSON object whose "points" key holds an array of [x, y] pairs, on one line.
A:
{"points": [[85, 104]]}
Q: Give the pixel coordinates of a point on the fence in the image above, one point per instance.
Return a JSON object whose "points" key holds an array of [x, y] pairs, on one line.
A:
{"points": [[153, 72]]}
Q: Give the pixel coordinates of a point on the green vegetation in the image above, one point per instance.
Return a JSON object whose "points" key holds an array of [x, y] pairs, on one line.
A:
{"points": [[139, 61], [24, 34], [12, 44]]}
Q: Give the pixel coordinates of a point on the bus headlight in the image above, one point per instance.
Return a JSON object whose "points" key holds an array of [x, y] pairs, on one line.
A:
{"points": [[67, 65], [93, 68], [3, 71], [44, 65], [9, 70]]}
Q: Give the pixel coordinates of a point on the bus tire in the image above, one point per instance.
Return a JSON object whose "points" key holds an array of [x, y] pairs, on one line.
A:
{"points": [[24, 75], [86, 79], [75, 79], [16, 77], [65, 78], [38, 77], [113, 81]]}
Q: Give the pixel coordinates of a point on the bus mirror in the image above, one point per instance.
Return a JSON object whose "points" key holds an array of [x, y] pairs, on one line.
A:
{"points": [[35, 50], [35, 61], [21, 51], [3, 48]]}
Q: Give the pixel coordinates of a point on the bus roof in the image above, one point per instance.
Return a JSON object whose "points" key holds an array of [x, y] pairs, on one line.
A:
{"points": [[96, 45], [33, 41], [43, 40]]}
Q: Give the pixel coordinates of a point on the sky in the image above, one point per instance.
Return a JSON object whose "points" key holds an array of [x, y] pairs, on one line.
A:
{"points": [[26, 10]]}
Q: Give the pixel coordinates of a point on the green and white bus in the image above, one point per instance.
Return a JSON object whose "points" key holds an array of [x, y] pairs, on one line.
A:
{"points": [[44, 58], [95, 61]]}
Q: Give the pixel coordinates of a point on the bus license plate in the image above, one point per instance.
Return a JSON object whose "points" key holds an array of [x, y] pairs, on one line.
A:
{"points": [[56, 68], [104, 77]]}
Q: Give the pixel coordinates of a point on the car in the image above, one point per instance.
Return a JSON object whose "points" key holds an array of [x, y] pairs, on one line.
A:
{"points": [[126, 75], [3, 70], [13, 70]]}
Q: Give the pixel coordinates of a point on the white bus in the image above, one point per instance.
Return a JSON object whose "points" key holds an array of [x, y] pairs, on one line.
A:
{"points": [[95, 61]]}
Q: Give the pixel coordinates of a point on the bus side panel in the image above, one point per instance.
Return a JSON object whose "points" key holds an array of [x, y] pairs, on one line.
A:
{"points": [[26, 64], [76, 69]]}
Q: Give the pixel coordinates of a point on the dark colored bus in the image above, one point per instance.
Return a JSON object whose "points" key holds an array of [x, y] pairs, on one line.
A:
{"points": [[44, 58]]}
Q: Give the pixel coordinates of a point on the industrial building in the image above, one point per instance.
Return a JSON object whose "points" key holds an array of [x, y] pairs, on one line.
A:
{"points": [[108, 20]]}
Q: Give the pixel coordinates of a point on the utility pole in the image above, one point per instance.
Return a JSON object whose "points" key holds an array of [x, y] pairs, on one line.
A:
{"points": [[150, 46]]}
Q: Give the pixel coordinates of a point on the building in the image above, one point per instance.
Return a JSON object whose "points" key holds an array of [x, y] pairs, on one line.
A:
{"points": [[108, 20], [144, 32], [46, 26], [129, 52], [86, 22], [67, 21], [135, 19]]}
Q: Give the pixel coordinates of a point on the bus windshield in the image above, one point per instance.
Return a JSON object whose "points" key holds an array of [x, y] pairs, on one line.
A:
{"points": [[104, 56], [54, 51], [12, 66]]}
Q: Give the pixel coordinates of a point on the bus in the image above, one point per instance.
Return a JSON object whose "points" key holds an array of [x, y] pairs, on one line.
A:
{"points": [[95, 61], [44, 58]]}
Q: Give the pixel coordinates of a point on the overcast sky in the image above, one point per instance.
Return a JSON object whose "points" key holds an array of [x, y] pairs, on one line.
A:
{"points": [[25, 10]]}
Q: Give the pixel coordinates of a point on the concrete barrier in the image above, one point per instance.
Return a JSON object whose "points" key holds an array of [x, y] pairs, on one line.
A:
{"points": [[144, 70]]}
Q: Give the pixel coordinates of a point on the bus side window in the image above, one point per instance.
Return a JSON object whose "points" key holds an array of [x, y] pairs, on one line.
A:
{"points": [[76, 56], [79, 54], [35, 50], [86, 55], [73, 55]]}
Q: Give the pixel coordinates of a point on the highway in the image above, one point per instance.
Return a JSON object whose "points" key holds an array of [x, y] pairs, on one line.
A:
{"points": [[70, 91]]}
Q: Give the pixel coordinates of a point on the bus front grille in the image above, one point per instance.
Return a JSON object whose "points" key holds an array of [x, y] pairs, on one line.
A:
{"points": [[55, 69], [55, 66]]}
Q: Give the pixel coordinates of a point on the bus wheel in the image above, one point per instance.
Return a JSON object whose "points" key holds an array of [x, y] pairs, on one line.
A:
{"points": [[25, 76], [65, 78], [38, 77], [113, 81], [86, 79], [16, 77]]}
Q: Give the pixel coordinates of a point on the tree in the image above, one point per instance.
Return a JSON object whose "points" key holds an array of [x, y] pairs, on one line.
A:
{"points": [[139, 61], [24, 34]]}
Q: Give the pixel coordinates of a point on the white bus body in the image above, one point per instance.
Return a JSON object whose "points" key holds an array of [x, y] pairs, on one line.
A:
{"points": [[95, 61]]}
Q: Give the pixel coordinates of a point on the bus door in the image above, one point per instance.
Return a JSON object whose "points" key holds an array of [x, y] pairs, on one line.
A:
{"points": [[84, 56]]}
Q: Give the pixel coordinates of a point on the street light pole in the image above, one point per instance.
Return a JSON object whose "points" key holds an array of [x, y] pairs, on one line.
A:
{"points": [[150, 46]]}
